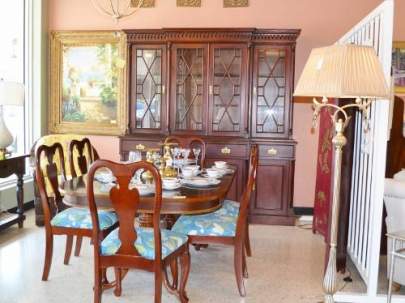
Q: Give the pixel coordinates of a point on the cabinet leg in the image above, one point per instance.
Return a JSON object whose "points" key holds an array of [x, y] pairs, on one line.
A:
{"points": [[20, 200]]}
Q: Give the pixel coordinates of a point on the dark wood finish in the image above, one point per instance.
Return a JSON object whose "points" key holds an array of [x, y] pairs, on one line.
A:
{"points": [[396, 143], [190, 142], [239, 241], [239, 66], [10, 166], [126, 203], [191, 200], [52, 203]]}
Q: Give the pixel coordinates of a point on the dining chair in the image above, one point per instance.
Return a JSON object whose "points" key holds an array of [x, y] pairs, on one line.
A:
{"points": [[220, 228], [231, 208], [190, 142], [59, 219], [151, 249], [81, 155]]}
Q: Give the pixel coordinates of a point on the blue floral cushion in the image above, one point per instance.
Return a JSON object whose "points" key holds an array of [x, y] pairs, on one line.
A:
{"points": [[229, 208], [145, 243], [80, 218], [212, 224]]}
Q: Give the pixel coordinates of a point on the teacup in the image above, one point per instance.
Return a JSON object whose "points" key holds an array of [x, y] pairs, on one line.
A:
{"points": [[187, 172], [169, 182], [212, 173], [220, 164]]}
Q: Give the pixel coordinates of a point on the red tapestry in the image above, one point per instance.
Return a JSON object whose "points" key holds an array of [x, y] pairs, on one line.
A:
{"points": [[324, 175]]}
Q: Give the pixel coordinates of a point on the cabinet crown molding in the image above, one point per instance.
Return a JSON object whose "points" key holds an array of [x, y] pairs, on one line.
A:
{"points": [[212, 34]]}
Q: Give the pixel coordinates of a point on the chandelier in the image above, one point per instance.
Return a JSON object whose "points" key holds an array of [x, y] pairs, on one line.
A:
{"points": [[117, 9]]}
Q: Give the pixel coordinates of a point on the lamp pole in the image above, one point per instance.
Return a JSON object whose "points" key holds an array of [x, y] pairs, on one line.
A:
{"points": [[340, 120]]}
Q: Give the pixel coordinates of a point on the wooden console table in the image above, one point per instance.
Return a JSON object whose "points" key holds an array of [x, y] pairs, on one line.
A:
{"points": [[14, 164]]}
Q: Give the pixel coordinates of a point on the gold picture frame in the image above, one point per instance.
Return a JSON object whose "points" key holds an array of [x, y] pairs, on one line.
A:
{"points": [[188, 3], [145, 3], [88, 82], [398, 66], [236, 3]]}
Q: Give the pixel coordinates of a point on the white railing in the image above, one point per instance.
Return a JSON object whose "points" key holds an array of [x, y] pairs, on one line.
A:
{"points": [[369, 153]]}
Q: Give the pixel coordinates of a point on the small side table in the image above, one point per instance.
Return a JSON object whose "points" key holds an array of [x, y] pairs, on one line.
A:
{"points": [[14, 164], [398, 236]]}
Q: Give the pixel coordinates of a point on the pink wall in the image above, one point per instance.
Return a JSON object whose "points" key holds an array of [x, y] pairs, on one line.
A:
{"points": [[322, 23]]}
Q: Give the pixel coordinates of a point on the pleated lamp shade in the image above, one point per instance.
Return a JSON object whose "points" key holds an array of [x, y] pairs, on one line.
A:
{"points": [[11, 93], [343, 71]]}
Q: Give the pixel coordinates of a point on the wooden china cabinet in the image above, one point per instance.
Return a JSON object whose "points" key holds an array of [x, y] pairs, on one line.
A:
{"points": [[233, 87]]}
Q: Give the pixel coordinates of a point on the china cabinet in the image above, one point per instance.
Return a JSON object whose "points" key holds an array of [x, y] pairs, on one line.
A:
{"points": [[232, 87]]}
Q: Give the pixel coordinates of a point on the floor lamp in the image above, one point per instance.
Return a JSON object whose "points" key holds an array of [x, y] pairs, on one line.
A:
{"points": [[349, 72]]}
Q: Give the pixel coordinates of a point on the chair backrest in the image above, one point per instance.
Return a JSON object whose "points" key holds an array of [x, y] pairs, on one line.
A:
{"points": [[47, 161], [190, 142], [125, 201], [250, 187], [64, 140], [81, 155]]}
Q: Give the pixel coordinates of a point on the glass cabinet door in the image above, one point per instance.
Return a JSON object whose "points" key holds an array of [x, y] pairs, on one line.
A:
{"points": [[228, 76], [270, 92], [189, 88], [148, 88]]}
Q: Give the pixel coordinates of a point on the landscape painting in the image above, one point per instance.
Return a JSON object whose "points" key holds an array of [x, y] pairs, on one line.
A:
{"points": [[89, 92]]}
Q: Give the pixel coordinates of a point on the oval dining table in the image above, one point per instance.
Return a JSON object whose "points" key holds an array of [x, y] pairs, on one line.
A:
{"points": [[184, 200]]}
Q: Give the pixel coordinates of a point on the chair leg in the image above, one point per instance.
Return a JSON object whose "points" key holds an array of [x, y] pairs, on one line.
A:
{"points": [[238, 264], [68, 249], [244, 265], [118, 280], [158, 285], [247, 242], [98, 288], [78, 247], [48, 255], [185, 271]]}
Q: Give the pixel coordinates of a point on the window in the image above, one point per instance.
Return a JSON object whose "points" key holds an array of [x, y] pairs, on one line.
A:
{"points": [[12, 65]]}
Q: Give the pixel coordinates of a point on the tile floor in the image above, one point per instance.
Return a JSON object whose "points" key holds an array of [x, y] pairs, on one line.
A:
{"points": [[286, 268]]}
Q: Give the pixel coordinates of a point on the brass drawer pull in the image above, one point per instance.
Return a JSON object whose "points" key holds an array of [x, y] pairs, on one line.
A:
{"points": [[272, 151], [226, 150], [140, 147]]}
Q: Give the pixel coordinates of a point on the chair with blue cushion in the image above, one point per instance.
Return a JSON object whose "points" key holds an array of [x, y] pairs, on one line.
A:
{"points": [[81, 155], [224, 227], [231, 208], [59, 219], [151, 249]]}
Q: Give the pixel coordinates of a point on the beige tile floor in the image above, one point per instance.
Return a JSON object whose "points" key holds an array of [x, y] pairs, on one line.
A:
{"points": [[286, 268]]}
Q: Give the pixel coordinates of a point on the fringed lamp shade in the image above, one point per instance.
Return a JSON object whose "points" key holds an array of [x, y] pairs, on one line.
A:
{"points": [[343, 71]]}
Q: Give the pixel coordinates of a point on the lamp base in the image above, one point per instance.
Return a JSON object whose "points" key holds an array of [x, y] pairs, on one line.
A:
{"points": [[3, 153], [6, 137]]}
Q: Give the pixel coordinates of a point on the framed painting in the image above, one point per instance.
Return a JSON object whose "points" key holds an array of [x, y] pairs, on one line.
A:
{"points": [[398, 66], [88, 82]]}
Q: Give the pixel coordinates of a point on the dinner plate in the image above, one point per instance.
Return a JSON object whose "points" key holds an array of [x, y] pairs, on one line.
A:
{"points": [[201, 182]]}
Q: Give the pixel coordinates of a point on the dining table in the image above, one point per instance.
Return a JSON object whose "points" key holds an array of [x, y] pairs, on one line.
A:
{"points": [[186, 199]]}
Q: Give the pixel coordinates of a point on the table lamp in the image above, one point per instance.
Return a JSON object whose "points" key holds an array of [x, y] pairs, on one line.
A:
{"points": [[11, 93], [349, 72]]}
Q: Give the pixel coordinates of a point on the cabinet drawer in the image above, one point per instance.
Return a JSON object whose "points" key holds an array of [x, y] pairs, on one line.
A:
{"points": [[276, 151], [227, 150], [141, 145]]}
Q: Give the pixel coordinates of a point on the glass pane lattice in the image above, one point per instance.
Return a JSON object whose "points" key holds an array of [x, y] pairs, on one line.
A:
{"points": [[271, 92], [189, 89], [227, 89], [148, 88]]}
